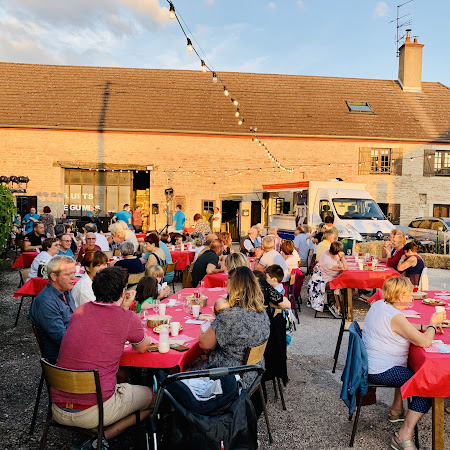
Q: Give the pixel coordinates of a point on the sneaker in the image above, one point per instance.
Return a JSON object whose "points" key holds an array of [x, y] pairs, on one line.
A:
{"points": [[335, 312], [105, 445]]}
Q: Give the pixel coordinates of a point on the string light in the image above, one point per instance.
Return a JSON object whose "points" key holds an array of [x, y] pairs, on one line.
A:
{"points": [[189, 46], [171, 11], [225, 91], [203, 66], [237, 113], [214, 77], [235, 102], [240, 122]]}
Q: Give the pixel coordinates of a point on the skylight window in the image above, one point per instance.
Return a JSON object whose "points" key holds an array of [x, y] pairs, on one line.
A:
{"points": [[359, 107]]}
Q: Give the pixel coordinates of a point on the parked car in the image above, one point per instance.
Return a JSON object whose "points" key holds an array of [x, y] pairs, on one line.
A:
{"points": [[426, 228]]}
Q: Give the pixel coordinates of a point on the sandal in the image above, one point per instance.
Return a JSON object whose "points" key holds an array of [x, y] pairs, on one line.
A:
{"points": [[400, 445], [393, 418]]}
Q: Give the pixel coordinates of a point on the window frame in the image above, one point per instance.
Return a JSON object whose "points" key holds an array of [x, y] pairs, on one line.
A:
{"points": [[379, 161], [441, 159], [351, 104], [207, 209]]}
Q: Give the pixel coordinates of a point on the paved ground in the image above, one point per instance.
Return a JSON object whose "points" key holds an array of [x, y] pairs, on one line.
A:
{"points": [[315, 417]]}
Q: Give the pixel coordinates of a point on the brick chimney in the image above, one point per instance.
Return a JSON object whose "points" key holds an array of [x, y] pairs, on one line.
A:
{"points": [[410, 65]]}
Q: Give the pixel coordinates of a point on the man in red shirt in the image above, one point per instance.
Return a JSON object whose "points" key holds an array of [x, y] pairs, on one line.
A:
{"points": [[137, 219], [90, 246], [94, 339]]}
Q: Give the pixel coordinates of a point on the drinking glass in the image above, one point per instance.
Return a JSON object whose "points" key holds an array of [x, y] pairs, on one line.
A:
{"points": [[156, 308], [186, 305], [443, 288]]}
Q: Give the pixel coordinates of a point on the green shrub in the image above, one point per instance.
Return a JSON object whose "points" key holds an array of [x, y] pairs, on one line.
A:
{"points": [[7, 211]]}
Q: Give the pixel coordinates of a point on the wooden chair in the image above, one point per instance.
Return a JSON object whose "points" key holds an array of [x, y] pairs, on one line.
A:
{"points": [[23, 277], [116, 252], [341, 300], [253, 355], [76, 382], [171, 268], [109, 253], [134, 278], [187, 276]]}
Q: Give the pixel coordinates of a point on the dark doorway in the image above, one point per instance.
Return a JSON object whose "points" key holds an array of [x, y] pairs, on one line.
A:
{"points": [[256, 213], [24, 203], [230, 217]]}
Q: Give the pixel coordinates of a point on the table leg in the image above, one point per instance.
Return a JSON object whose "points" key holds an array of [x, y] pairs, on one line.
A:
{"points": [[438, 423], [350, 304]]}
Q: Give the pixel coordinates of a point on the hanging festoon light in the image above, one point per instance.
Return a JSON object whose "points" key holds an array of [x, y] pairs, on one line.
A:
{"points": [[189, 46], [241, 121], [171, 11], [203, 66], [214, 77], [225, 91], [237, 113]]}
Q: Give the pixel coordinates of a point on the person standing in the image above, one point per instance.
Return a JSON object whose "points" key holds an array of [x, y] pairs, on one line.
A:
{"points": [[49, 222], [137, 219], [216, 220], [178, 220], [124, 215], [30, 219]]}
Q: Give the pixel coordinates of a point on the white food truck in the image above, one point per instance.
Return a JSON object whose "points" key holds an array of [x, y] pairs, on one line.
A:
{"points": [[356, 214]]}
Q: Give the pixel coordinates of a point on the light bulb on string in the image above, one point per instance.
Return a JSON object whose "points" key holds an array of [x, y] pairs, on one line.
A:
{"points": [[171, 11], [203, 66], [225, 91], [237, 113], [189, 46], [240, 121], [235, 103], [214, 77]]}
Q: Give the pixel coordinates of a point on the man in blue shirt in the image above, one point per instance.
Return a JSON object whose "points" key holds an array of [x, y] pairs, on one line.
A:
{"points": [[29, 219], [65, 242], [178, 220], [53, 307], [124, 215]]}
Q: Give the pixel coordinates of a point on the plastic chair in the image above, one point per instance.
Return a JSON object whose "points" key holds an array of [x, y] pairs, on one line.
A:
{"points": [[23, 277], [253, 356], [76, 382], [341, 300]]}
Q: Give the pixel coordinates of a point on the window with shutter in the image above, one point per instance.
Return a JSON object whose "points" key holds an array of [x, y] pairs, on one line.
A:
{"points": [[397, 161], [428, 163], [365, 161], [380, 161], [442, 163]]}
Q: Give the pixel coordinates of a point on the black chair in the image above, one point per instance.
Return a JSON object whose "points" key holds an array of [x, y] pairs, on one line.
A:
{"points": [[341, 300], [41, 382]]}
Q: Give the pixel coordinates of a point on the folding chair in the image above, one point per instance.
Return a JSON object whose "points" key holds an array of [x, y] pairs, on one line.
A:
{"points": [[41, 382], [295, 301], [77, 382], [253, 356], [341, 300], [23, 277], [109, 253], [134, 278], [171, 268], [116, 252]]}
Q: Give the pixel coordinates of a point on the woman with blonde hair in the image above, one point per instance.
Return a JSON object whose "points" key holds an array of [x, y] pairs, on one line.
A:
{"points": [[245, 324], [393, 249], [120, 233], [236, 260], [387, 337]]}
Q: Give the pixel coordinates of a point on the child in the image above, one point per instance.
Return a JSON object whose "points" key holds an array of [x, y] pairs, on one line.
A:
{"points": [[178, 240], [220, 305], [157, 272], [146, 294], [274, 276]]}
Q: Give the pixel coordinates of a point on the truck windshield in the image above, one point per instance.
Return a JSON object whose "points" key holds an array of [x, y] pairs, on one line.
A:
{"points": [[357, 208]]}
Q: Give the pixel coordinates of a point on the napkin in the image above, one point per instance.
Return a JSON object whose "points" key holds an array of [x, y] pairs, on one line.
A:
{"points": [[215, 289], [195, 321], [411, 313], [444, 348]]}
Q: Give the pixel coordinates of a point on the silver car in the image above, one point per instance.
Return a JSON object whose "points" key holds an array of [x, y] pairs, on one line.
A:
{"points": [[426, 228]]}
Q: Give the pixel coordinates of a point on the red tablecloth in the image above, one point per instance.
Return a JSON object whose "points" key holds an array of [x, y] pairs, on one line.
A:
{"points": [[173, 358], [189, 230], [183, 258], [24, 260], [215, 280], [363, 279], [34, 286], [432, 370], [140, 235]]}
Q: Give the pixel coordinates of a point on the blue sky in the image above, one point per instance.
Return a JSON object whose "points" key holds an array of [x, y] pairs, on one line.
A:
{"points": [[348, 38]]}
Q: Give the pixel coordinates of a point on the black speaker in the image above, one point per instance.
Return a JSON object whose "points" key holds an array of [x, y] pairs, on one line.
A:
{"points": [[155, 208]]}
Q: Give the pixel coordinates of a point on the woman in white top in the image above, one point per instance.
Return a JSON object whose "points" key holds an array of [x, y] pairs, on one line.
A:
{"points": [[387, 336], [50, 248], [82, 291], [290, 255]]}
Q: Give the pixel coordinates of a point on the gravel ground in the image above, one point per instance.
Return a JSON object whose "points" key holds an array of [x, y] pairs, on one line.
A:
{"points": [[315, 417]]}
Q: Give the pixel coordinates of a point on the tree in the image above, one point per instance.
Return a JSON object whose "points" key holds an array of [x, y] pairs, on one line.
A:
{"points": [[7, 211]]}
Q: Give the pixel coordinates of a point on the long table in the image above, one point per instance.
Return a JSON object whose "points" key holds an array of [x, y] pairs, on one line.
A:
{"points": [[432, 371], [34, 286], [173, 358], [24, 260], [353, 278]]}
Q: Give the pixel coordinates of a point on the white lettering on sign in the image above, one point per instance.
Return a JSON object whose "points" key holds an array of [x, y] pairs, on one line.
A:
{"points": [[78, 207]]}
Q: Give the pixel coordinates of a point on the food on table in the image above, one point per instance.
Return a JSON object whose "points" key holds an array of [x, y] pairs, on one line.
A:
{"points": [[433, 301], [158, 329]]}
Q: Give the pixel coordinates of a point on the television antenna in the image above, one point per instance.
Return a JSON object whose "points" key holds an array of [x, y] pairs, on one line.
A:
{"points": [[401, 25]]}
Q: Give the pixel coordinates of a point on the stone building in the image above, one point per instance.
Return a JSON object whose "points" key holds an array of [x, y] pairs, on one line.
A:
{"points": [[91, 136]]}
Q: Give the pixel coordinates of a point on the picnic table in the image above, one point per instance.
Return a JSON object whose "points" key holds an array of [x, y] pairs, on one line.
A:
{"points": [[182, 257], [432, 370], [354, 278], [24, 260], [189, 334]]}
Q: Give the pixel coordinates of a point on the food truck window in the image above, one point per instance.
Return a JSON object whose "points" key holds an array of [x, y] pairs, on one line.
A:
{"points": [[325, 209]]}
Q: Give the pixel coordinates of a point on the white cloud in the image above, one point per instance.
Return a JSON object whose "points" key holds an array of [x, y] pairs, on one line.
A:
{"points": [[271, 5], [301, 4], [381, 9], [209, 2]]}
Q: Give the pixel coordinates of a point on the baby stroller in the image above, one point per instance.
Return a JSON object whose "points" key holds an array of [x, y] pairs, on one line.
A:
{"points": [[225, 421]]}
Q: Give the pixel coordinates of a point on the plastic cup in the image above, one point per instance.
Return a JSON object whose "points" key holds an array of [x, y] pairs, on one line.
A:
{"points": [[162, 309], [361, 265], [195, 310], [174, 328], [440, 309], [172, 301]]}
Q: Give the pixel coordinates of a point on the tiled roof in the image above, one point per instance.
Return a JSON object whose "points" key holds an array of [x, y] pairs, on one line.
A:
{"points": [[67, 97]]}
